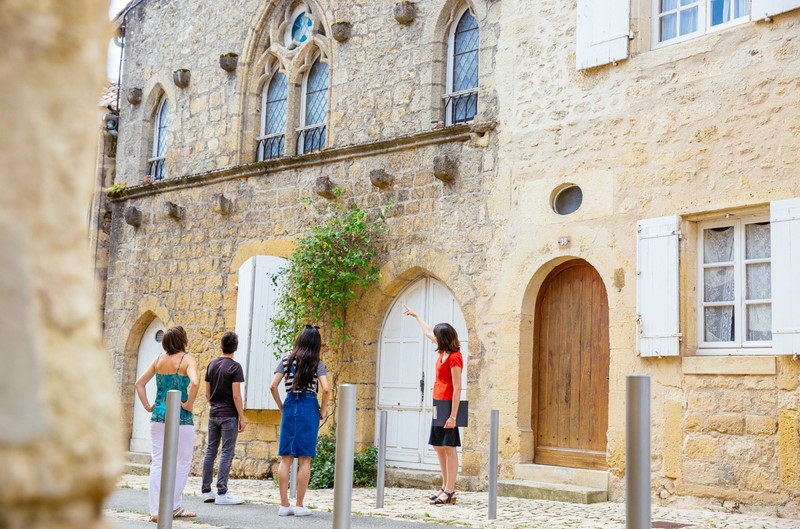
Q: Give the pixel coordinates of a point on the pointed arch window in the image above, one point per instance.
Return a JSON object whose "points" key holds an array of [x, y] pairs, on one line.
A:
{"points": [[314, 112], [273, 117], [461, 100], [160, 128]]}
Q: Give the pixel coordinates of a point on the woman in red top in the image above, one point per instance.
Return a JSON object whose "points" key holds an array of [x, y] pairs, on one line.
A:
{"points": [[445, 439]]}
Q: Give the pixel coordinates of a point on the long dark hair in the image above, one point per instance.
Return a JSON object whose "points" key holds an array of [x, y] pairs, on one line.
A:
{"points": [[446, 338], [306, 354]]}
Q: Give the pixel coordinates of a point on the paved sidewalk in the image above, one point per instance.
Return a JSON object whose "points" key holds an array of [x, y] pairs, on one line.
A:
{"points": [[471, 509]]}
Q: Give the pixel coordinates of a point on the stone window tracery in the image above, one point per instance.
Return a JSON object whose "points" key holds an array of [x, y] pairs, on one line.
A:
{"points": [[293, 84]]}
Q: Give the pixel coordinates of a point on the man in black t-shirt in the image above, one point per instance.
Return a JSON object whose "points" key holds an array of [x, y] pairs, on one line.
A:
{"points": [[225, 419]]}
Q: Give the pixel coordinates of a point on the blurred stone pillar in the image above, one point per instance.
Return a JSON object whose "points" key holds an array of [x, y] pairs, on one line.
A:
{"points": [[60, 447]]}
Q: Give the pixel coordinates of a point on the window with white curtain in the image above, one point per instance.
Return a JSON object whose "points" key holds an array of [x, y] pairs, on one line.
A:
{"points": [[273, 117], [734, 285], [678, 20], [461, 100], [160, 126], [314, 114]]}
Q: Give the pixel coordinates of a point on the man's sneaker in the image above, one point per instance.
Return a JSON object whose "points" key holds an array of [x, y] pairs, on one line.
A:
{"points": [[302, 511], [208, 497], [285, 511], [228, 499]]}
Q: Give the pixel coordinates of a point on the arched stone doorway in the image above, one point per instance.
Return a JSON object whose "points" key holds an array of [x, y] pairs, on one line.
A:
{"points": [[149, 349], [569, 408], [406, 371]]}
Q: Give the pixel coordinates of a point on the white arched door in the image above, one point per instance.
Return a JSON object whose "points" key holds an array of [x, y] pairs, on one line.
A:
{"points": [[149, 349], [406, 371]]}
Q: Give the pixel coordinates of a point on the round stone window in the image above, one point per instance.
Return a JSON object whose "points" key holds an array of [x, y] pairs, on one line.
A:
{"points": [[301, 29], [159, 336], [567, 199]]}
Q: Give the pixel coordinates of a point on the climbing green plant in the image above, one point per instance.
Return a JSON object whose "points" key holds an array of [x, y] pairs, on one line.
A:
{"points": [[332, 261]]}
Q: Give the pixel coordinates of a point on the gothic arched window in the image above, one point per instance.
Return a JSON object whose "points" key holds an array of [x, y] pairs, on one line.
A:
{"points": [[273, 117], [461, 100], [314, 112], [160, 127]]}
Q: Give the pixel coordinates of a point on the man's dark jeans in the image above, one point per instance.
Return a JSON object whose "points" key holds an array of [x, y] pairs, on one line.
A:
{"points": [[225, 429]]}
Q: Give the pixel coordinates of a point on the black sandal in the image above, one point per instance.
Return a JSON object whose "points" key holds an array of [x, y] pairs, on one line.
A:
{"points": [[435, 495], [451, 498]]}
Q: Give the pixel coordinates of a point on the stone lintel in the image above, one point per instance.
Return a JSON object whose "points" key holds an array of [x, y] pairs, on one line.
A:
{"points": [[728, 365]]}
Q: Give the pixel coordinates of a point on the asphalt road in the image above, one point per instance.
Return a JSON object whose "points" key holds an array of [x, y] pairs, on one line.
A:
{"points": [[246, 516]]}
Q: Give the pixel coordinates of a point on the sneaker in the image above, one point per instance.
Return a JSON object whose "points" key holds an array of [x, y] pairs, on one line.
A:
{"points": [[285, 511], [302, 511], [228, 499], [208, 497]]}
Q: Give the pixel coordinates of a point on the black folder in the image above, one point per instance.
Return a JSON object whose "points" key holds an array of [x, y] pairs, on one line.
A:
{"points": [[441, 412]]}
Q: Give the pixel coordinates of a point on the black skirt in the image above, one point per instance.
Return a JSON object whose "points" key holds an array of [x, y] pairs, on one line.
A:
{"points": [[441, 436]]}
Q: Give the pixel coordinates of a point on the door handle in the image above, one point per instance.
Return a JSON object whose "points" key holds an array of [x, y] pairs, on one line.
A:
{"points": [[422, 389]]}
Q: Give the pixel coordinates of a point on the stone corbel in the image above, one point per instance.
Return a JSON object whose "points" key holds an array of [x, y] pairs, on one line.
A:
{"points": [[222, 205], [405, 12], [444, 168], [325, 188], [381, 179], [173, 211], [133, 216]]}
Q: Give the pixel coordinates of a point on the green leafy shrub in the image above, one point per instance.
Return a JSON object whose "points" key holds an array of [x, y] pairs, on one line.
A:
{"points": [[365, 465], [332, 260]]}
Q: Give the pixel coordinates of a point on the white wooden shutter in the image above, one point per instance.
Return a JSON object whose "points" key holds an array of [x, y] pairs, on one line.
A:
{"points": [[602, 32], [766, 8], [254, 311], [785, 242], [657, 288], [244, 315], [261, 361]]}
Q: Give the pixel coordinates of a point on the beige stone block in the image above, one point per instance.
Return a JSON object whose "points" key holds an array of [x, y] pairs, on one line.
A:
{"points": [[471, 463], [703, 473], [701, 447], [726, 423], [672, 439], [788, 373], [759, 479], [788, 453], [701, 400], [760, 424], [258, 449]]}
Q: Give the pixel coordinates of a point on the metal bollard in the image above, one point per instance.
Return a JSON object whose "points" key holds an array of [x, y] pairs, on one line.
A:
{"points": [[169, 460], [345, 450], [637, 453], [381, 481], [494, 428], [293, 479]]}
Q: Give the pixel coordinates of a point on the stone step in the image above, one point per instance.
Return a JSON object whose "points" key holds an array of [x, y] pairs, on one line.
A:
{"points": [[137, 463], [596, 479], [137, 457], [536, 490], [137, 468]]}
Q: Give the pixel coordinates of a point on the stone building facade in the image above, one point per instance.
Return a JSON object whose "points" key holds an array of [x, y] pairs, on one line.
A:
{"points": [[565, 218]]}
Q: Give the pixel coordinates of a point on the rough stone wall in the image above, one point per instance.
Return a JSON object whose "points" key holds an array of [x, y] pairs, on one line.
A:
{"points": [[59, 430], [699, 129], [189, 267], [398, 71]]}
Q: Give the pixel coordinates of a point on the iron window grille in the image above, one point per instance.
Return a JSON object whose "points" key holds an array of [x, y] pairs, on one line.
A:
{"points": [[310, 139]]}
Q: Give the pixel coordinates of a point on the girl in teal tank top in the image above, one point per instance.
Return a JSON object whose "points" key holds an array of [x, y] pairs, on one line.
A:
{"points": [[165, 383]]}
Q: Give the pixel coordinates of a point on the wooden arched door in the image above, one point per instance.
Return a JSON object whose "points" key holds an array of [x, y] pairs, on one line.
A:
{"points": [[571, 355]]}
